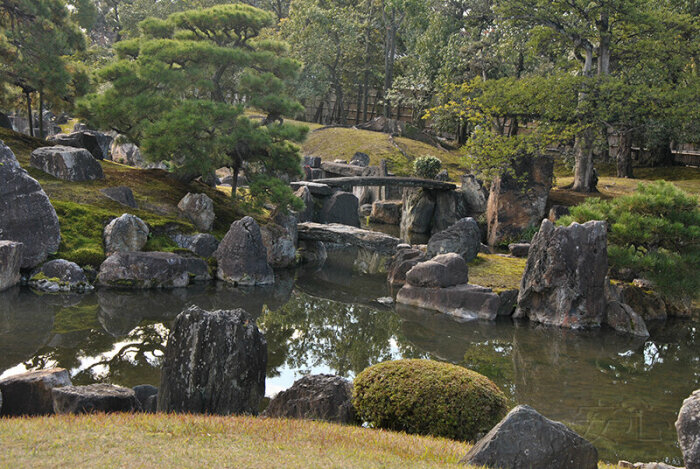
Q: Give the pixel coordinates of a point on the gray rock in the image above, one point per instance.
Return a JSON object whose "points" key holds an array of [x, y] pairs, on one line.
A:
{"points": [[60, 275], [10, 263], [509, 300], [143, 392], [126, 233], [30, 393], [464, 302], [214, 363], [242, 256], [126, 153], [565, 281], [94, 398], [280, 239], [304, 194], [26, 215], [418, 209], [623, 318], [688, 429], [199, 209], [360, 159], [312, 253], [67, 163], [315, 397], [445, 270], [121, 194], [97, 143], [645, 465], [474, 195], [463, 238], [144, 270], [316, 188], [557, 211], [386, 211], [450, 207], [519, 249], [524, 439], [342, 208], [343, 234], [403, 261], [202, 244]]}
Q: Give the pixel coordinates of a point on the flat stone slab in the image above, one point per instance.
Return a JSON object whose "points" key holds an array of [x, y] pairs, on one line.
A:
{"points": [[387, 181], [344, 234], [94, 398], [466, 302], [315, 188]]}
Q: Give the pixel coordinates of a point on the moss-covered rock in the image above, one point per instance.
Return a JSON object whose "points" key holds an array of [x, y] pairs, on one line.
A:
{"points": [[428, 398]]}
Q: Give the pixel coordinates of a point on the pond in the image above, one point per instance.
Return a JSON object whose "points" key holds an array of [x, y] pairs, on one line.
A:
{"points": [[621, 393]]}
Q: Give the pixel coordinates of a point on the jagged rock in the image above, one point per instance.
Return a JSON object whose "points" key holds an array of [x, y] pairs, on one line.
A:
{"points": [[515, 204], [60, 275], [126, 153], [94, 398], [147, 397], [242, 256], [30, 393], [403, 261], [648, 304], [26, 215], [126, 233], [445, 270], [463, 238], [280, 239], [304, 194], [474, 195], [214, 363], [688, 429], [524, 439], [151, 270], [465, 302], [386, 211], [557, 211], [418, 208], [315, 397], [508, 302], [97, 143], [360, 159], [565, 281], [623, 318], [202, 244], [342, 208], [199, 208], [121, 194], [10, 262], [519, 249], [67, 163]]}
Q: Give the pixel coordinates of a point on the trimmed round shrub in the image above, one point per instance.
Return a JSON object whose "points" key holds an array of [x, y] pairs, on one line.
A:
{"points": [[427, 167], [426, 397]]}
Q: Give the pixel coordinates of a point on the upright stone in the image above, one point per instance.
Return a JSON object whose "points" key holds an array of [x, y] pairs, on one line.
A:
{"points": [[474, 194], [10, 262], [688, 428], [199, 209], [127, 233], [463, 238], [280, 239], [214, 363], [418, 208], [30, 393], [26, 215], [67, 163], [564, 282], [341, 207], [242, 256], [304, 194]]}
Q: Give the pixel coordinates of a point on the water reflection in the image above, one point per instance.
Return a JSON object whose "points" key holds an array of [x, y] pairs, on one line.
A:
{"points": [[621, 393]]}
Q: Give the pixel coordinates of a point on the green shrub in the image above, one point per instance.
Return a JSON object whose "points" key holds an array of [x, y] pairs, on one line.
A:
{"points": [[654, 232], [427, 167], [428, 398]]}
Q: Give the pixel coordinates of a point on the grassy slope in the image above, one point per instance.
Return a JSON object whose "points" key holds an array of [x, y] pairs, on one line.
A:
{"points": [[84, 211]]}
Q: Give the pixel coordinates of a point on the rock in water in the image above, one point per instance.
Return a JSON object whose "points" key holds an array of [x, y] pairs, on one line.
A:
{"points": [[242, 255], [151, 270], [316, 397], [26, 215], [199, 208], [623, 318], [214, 363], [524, 439], [403, 261], [67, 163], [463, 238], [280, 239], [688, 428], [446, 270], [418, 207], [60, 275], [125, 234], [30, 393], [10, 262], [94, 398], [565, 277]]}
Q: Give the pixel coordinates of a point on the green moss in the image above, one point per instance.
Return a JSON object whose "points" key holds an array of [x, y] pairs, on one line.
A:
{"points": [[162, 243], [497, 272], [428, 398]]}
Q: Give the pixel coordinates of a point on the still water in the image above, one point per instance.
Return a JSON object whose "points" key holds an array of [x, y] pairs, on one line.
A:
{"points": [[621, 393]]}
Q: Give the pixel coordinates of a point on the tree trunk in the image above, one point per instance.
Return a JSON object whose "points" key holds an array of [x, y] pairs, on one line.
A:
{"points": [[358, 105], [29, 113], [624, 155], [584, 175], [368, 70], [41, 114], [234, 181], [389, 51]]}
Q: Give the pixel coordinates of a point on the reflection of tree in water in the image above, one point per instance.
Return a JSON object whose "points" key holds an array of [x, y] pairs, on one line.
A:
{"points": [[310, 331]]}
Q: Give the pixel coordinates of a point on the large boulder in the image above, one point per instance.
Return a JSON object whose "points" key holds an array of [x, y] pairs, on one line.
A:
{"points": [[386, 211], [524, 439], [464, 302], [121, 194], [280, 239], [126, 233], [341, 207], [403, 261], [474, 195], [463, 238], [60, 275], [126, 153], [564, 283], [97, 143], [214, 363], [316, 397], [67, 163], [94, 398], [30, 393], [151, 270], [445, 270], [199, 209], [418, 208], [516, 202], [449, 209], [688, 428], [10, 262], [202, 244], [26, 215], [242, 256], [624, 319]]}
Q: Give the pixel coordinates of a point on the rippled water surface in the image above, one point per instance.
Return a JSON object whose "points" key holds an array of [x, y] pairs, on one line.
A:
{"points": [[622, 394]]}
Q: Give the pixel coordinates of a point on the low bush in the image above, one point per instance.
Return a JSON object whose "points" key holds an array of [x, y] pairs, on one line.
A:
{"points": [[428, 398], [427, 167]]}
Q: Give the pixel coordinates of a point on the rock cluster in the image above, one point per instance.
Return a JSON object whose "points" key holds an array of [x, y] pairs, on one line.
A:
{"points": [[60, 275], [144, 270]]}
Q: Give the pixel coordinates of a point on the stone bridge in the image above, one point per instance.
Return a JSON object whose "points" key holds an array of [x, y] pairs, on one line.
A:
{"points": [[347, 183], [373, 241]]}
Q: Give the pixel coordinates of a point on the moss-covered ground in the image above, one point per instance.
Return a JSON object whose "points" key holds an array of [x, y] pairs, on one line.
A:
{"points": [[497, 271]]}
